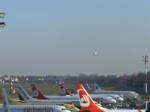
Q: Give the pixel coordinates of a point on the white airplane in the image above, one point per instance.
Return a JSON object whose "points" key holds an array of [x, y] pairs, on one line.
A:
{"points": [[95, 53], [29, 108], [88, 105], [23, 95], [39, 95], [124, 94], [65, 94], [117, 97], [105, 99], [12, 101]]}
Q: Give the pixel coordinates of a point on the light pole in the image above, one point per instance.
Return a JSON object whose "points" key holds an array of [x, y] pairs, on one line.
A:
{"points": [[146, 67]]}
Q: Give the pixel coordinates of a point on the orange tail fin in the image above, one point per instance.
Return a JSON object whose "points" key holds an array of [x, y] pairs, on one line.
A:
{"points": [[86, 102], [36, 93]]}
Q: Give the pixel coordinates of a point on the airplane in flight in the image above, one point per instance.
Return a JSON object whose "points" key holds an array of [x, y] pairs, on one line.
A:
{"points": [[124, 94], [88, 105], [28, 108]]}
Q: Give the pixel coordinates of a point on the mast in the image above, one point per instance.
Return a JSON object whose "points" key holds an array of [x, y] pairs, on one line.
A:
{"points": [[146, 67]]}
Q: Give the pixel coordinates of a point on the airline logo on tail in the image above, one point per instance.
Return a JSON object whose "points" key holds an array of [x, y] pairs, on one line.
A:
{"points": [[63, 90], [35, 91], [86, 102], [84, 98]]}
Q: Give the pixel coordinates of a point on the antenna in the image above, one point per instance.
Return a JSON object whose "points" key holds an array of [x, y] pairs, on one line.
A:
{"points": [[146, 67]]}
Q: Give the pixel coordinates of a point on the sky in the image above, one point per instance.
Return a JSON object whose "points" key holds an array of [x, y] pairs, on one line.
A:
{"points": [[59, 37]]}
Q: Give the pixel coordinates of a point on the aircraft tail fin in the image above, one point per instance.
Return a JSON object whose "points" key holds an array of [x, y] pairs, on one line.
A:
{"points": [[63, 91], [86, 102], [87, 85], [36, 93], [23, 95], [97, 88], [6, 107]]}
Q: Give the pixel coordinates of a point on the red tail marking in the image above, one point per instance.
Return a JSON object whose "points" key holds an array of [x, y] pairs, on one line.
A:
{"points": [[63, 90], [86, 102], [36, 93], [139, 110]]}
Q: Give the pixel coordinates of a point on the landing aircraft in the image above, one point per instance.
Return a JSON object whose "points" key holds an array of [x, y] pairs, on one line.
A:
{"points": [[29, 108], [95, 53], [88, 105], [124, 94]]}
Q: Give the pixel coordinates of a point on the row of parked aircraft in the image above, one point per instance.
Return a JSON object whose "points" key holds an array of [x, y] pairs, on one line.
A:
{"points": [[85, 100], [106, 97], [39, 97]]}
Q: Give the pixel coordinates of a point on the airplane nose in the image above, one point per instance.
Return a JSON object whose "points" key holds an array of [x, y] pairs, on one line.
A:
{"points": [[121, 99], [113, 101]]}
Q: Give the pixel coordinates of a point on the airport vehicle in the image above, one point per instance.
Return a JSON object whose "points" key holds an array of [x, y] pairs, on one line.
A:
{"points": [[104, 99], [29, 108], [88, 105], [124, 94]]}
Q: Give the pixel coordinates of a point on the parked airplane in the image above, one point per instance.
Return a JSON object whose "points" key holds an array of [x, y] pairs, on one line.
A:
{"points": [[23, 95], [12, 101], [124, 94], [88, 105], [62, 90], [117, 97], [105, 99], [29, 108]]}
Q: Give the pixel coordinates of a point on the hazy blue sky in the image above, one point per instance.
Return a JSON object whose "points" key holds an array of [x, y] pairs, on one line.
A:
{"points": [[58, 37]]}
